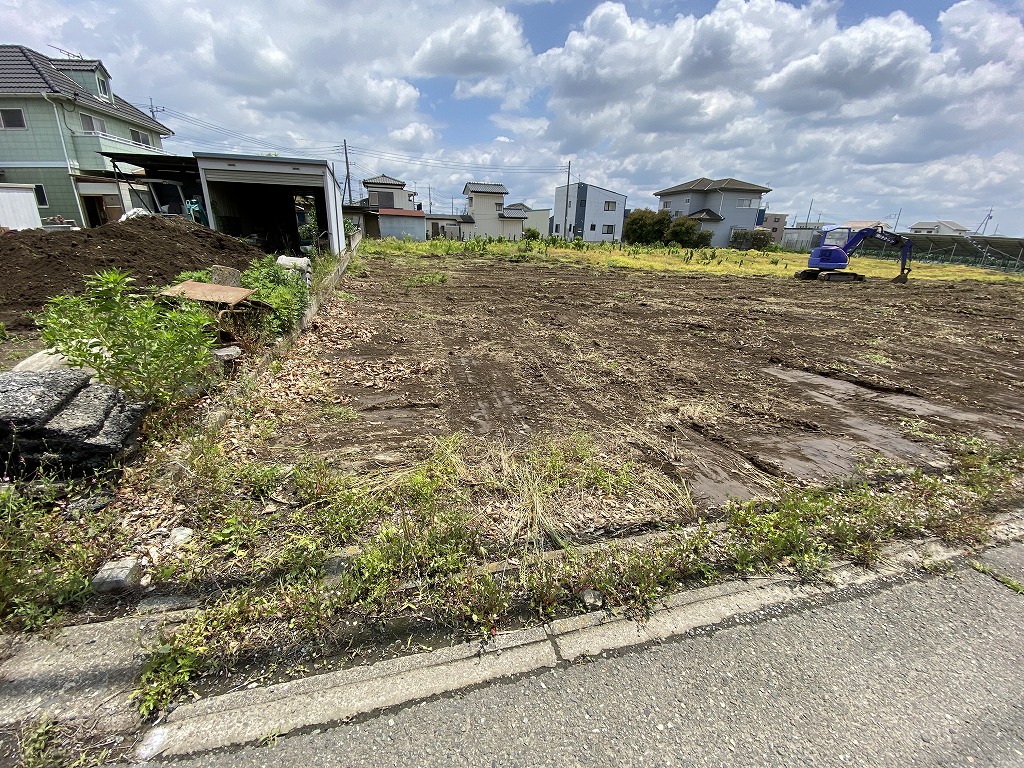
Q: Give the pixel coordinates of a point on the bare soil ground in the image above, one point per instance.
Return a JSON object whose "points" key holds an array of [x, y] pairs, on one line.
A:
{"points": [[38, 264], [729, 384]]}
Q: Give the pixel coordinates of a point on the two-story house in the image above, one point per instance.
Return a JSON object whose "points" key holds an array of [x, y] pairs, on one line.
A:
{"points": [[397, 212], [720, 205], [590, 212], [56, 117], [485, 202]]}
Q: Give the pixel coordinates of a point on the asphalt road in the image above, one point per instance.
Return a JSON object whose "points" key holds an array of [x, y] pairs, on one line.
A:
{"points": [[926, 673]]}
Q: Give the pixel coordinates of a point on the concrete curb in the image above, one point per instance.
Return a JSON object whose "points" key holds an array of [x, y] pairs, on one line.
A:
{"points": [[249, 716]]}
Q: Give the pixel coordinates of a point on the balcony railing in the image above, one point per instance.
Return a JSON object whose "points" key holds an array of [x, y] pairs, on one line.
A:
{"points": [[107, 137]]}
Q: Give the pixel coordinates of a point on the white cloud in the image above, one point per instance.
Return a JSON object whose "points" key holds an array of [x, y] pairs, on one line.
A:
{"points": [[639, 96]]}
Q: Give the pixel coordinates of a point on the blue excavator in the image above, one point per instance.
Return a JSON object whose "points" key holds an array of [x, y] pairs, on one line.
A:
{"points": [[831, 258]]}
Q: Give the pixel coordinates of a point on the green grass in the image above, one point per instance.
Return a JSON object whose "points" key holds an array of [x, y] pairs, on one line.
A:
{"points": [[712, 261], [422, 544], [427, 278]]}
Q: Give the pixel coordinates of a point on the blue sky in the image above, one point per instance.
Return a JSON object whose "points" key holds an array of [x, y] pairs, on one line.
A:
{"points": [[867, 107]]}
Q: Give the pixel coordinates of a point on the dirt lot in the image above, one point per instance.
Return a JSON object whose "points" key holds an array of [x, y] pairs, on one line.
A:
{"points": [[726, 383], [38, 265]]}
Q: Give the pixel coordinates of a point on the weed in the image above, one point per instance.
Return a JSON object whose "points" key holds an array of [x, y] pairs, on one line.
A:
{"points": [[427, 278], [1007, 581], [153, 352]]}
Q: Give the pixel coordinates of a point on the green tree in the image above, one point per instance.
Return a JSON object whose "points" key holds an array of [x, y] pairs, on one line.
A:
{"points": [[529, 233], [645, 227], [687, 233]]}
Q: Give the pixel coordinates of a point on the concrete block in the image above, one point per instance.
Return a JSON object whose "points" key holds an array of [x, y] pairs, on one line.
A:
{"points": [[117, 576], [221, 275]]}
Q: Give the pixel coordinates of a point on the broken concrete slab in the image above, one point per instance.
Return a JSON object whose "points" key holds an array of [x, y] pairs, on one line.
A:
{"points": [[84, 674], [28, 398], [117, 576], [44, 360], [84, 416]]}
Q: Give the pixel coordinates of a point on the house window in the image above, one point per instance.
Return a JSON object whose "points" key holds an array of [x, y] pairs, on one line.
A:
{"points": [[102, 85], [91, 123], [593, 227], [11, 119], [775, 229], [776, 221], [666, 205], [609, 205], [141, 138], [41, 200], [374, 199], [744, 202], [498, 206], [469, 200], [556, 228], [583, 203], [608, 229]]}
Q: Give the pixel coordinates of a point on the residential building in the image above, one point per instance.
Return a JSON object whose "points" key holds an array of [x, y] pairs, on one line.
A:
{"points": [[940, 227], [536, 218], [485, 202], [57, 118], [385, 192], [388, 210], [719, 205], [593, 213], [454, 226], [776, 223]]}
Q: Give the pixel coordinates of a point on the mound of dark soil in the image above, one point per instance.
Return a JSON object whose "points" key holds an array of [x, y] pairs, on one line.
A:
{"points": [[36, 265]]}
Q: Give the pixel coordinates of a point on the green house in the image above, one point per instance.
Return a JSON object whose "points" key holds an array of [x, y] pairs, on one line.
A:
{"points": [[56, 118]]}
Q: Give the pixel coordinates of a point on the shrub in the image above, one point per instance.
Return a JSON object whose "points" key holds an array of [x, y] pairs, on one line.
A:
{"points": [[646, 227], [751, 239], [529, 233], [151, 351], [283, 289], [687, 233]]}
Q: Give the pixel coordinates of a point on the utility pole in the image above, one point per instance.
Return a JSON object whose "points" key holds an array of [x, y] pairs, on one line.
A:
{"points": [[153, 110], [565, 217], [807, 221], [430, 200], [348, 174]]}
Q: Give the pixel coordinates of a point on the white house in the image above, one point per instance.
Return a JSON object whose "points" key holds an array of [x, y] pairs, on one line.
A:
{"points": [[939, 227], [485, 202], [719, 205], [593, 213], [536, 218]]}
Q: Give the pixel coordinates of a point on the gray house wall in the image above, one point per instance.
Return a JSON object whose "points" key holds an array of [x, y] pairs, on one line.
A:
{"points": [[722, 202]]}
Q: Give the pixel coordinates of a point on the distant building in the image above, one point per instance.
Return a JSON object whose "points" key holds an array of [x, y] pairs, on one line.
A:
{"points": [[388, 210], [485, 202], [719, 205], [536, 218], [940, 227], [593, 213], [776, 223]]}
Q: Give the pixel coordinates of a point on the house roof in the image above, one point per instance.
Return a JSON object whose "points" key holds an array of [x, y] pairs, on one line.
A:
{"points": [[863, 224], [484, 188], [24, 71], [79, 65], [714, 185], [384, 181], [705, 214], [513, 213], [518, 207], [935, 224]]}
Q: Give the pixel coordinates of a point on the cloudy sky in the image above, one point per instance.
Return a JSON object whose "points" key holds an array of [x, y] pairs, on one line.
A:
{"points": [[865, 107]]}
